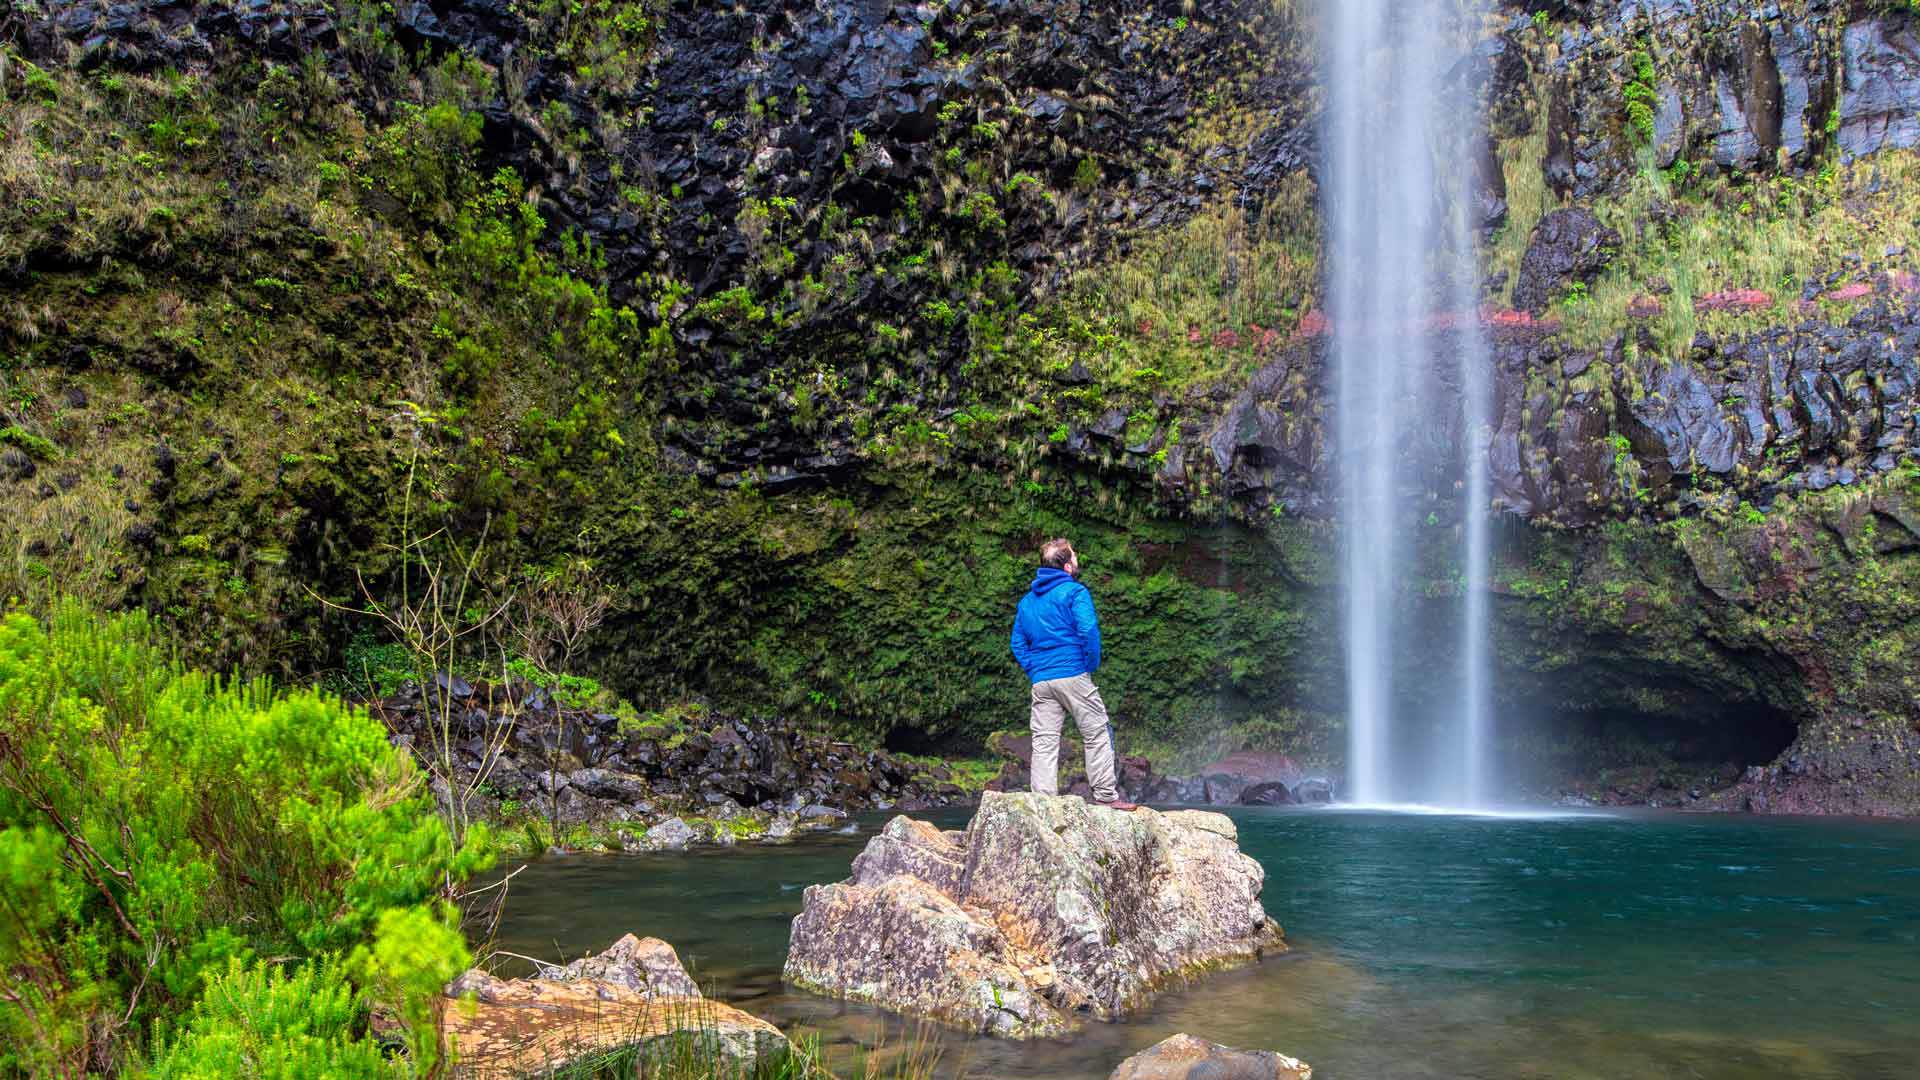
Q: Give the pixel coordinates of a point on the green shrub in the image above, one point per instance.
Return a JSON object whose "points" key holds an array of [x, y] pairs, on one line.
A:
{"points": [[258, 1020], [375, 667], [574, 691], [173, 844], [1642, 97]]}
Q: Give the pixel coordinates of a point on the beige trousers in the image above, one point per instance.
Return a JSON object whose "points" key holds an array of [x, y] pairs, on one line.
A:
{"points": [[1052, 701]]}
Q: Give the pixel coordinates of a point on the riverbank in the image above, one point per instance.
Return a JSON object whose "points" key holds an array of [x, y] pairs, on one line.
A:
{"points": [[554, 770]]}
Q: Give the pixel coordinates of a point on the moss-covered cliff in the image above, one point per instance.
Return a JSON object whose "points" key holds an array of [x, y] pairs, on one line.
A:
{"points": [[794, 327]]}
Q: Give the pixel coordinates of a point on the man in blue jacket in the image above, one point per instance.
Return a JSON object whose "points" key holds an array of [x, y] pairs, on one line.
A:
{"points": [[1056, 638]]}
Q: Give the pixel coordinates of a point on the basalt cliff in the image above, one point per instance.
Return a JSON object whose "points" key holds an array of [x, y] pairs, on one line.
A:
{"points": [[786, 330]]}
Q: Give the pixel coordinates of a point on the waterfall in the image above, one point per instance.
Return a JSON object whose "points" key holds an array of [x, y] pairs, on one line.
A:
{"points": [[1401, 151]]}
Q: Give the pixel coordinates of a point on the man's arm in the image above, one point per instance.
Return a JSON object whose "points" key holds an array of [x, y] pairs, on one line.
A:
{"points": [[1022, 651], [1087, 625]]}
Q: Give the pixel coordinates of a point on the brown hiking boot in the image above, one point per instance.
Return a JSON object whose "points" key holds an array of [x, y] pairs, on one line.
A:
{"points": [[1118, 804]]}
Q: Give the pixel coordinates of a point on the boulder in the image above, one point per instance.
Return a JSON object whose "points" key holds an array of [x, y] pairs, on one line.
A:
{"points": [[1044, 911], [634, 996], [647, 965], [673, 834], [1314, 789], [538, 1027], [1184, 1057], [1225, 789], [1267, 793]]}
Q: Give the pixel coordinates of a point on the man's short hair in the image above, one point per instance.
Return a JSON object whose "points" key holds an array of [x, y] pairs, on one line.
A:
{"points": [[1056, 553]]}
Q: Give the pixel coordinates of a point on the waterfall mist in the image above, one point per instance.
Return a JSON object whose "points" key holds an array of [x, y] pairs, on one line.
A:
{"points": [[1402, 147]]}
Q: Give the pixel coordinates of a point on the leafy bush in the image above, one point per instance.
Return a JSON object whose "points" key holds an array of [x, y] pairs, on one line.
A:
{"points": [[374, 666], [256, 1020], [174, 844], [574, 691], [1642, 97]]}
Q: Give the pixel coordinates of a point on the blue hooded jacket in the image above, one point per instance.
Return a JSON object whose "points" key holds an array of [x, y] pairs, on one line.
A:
{"points": [[1055, 633]]}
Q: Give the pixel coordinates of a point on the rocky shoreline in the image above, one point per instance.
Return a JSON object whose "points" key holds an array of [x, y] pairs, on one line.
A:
{"points": [[559, 777], [583, 779]]}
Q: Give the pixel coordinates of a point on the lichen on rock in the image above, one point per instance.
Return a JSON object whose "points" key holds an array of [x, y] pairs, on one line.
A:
{"points": [[1183, 1057], [1045, 910]]}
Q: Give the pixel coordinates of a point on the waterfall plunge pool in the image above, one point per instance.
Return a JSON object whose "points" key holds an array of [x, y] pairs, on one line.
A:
{"points": [[1424, 946]]}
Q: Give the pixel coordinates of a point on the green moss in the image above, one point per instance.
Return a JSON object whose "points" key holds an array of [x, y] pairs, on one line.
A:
{"points": [[36, 447]]}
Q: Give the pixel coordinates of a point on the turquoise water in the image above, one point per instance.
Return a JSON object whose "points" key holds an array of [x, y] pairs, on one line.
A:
{"points": [[1423, 946]]}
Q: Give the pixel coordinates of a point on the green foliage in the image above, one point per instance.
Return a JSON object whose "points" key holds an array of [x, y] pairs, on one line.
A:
{"points": [[415, 951], [1641, 96], [575, 691], [160, 829], [607, 42], [894, 620], [1086, 175], [259, 1020], [421, 158], [374, 666], [732, 307], [35, 446]]}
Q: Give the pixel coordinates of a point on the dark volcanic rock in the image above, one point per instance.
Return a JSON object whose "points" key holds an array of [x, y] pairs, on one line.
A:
{"points": [[1879, 105], [1270, 793], [531, 751], [1568, 246]]}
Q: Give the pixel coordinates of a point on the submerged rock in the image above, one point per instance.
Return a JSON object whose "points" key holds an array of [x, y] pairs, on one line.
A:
{"points": [[1183, 1057], [1045, 910]]}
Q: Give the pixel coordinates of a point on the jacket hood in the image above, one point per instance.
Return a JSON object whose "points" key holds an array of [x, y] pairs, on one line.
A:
{"points": [[1046, 579]]}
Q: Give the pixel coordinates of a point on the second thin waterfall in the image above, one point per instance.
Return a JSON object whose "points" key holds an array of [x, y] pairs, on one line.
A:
{"points": [[1402, 145]]}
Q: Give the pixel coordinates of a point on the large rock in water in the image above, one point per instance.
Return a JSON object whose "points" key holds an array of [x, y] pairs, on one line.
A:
{"points": [[1183, 1057], [1046, 910], [633, 997]]}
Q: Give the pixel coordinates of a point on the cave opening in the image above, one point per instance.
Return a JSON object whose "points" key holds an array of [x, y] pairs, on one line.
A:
{"points": [[1617, 752]]}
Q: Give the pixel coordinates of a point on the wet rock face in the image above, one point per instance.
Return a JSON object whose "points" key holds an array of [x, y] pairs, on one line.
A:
{"points": [[1568, 247], [1736, 87], [1045, 910], [1183, 1057], [1585, 435], [1879, 105], [1805, 406]]}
